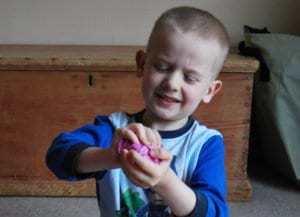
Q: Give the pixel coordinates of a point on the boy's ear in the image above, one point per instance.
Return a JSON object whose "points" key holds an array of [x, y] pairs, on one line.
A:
{"points": [[214, 88], [140, 59]]}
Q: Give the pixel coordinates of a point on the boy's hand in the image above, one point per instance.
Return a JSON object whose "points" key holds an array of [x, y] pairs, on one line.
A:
{"points": [[139, 170], [136, 133], [94, 159], [143, 172]]}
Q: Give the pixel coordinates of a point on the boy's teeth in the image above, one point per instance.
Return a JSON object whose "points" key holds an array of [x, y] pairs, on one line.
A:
{"points": [[169, 99]]}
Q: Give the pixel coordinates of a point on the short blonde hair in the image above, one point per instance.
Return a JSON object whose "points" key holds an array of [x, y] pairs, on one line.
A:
{"points": [[190, 19]]}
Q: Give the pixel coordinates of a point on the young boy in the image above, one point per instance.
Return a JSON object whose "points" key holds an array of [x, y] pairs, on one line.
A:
{"points": [[185, 53]]}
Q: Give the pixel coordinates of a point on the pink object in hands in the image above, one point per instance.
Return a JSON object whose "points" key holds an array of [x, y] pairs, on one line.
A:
{"points": [[142, 149]]}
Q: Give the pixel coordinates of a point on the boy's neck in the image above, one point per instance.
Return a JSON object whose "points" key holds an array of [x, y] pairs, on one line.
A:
{"points": [[160, 124]]}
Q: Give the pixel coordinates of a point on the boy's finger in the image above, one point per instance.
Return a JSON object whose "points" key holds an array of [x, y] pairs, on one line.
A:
{"points": [[127, 134], [133, 169], [140, 131], [154, 138], [161, 154], [140, 161]]}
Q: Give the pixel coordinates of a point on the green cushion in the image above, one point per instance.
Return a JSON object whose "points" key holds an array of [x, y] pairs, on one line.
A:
{"points": [[277, 102]]}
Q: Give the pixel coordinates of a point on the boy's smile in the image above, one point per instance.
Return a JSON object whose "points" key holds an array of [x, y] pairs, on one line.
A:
{"points": [[167, 100], [177, 75]]}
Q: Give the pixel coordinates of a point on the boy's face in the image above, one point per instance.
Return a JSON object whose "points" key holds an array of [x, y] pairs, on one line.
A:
{"points": [[177, 74]]}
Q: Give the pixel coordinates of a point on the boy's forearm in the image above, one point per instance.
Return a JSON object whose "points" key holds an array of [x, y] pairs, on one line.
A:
{"points": [[176, 194], [94, 159]]}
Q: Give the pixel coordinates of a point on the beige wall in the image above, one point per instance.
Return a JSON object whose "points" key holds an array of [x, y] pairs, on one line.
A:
{"points": [[128, 22]]}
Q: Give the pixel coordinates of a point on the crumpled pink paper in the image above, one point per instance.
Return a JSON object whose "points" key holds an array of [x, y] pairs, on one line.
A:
{"points": [[142, 149]]}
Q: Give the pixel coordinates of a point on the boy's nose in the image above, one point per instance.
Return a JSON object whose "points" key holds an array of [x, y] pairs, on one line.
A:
{"points": [[172, 81]]}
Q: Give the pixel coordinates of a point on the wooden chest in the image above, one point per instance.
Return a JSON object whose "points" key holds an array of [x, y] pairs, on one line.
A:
{"points": [[48, 89]]}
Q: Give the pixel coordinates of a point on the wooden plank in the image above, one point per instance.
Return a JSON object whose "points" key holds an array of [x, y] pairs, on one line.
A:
{"points": [[240, 190], [47, 187], [101, 58]]}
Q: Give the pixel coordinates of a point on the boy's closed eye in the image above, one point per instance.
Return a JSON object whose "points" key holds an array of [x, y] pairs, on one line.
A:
{"points": [[189, 76], [192, 77], [162, 67]]}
